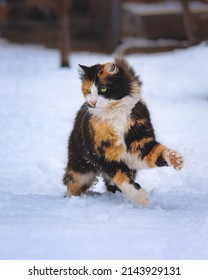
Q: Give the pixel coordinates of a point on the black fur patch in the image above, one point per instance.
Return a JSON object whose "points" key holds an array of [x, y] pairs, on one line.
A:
{"points": [[89, 73], [147, 148], [161, 162]]}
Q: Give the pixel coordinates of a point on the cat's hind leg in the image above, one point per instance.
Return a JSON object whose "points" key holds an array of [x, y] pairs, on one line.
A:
{"points": [[77, 182]]}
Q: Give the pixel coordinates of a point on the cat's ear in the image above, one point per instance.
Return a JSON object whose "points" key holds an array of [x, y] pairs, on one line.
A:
{"points": [[83, 71]]}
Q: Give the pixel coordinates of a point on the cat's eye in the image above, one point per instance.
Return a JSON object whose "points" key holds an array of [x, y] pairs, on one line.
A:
{"points": [[89, 91], [103, 89]]}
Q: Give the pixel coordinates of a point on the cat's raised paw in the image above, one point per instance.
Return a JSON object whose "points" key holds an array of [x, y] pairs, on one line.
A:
{"points": [[173, 158]]}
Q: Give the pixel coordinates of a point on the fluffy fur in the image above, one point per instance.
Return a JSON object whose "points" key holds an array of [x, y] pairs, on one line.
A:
{"points": [[113, 135]]}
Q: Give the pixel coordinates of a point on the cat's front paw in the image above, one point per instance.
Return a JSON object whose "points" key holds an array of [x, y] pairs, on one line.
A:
{"points": [[173, 158], [137, 194], [142, 197]]}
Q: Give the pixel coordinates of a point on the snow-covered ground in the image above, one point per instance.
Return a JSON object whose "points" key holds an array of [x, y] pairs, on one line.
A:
{"points": [[167, 7], [38, 101]]}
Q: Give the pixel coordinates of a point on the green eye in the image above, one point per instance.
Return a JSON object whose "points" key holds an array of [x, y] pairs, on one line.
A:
{"points": [[89, 91], [103, 89]]}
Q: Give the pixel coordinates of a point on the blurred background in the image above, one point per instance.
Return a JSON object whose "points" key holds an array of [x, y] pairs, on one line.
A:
{"points": [[124, 26]]}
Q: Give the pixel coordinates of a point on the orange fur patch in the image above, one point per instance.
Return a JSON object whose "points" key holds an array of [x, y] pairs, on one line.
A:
{"points": [[120, 178], [103, 74], [78, 183], [131, 122], [135, 87], [155, 153], [73, 185], [141, 121], [113, 152], [86, 85], [105, 133], [136, 145]]}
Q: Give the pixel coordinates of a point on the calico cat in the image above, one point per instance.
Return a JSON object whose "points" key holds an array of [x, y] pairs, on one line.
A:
{"points": [[113, 135]]}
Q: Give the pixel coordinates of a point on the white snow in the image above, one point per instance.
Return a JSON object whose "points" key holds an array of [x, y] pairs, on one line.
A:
{"points": [[38, 102], [131, 42], [165, 7]]}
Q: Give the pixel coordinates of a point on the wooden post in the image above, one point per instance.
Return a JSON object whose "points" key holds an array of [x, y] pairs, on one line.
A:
{"points": [[64, 36], [188, 22]]}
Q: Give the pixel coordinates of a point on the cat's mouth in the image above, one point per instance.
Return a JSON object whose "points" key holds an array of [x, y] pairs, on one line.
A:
{"points": [[92, 104]]}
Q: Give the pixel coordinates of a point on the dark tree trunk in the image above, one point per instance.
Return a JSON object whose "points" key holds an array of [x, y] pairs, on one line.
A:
{"points": [[188, 22], [64, 36]]}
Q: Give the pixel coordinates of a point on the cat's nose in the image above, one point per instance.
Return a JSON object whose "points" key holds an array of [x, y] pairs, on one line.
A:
{"points": [[92, 103]]}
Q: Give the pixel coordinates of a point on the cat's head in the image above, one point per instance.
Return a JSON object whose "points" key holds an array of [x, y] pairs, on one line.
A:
{"points": [[109, 83]]}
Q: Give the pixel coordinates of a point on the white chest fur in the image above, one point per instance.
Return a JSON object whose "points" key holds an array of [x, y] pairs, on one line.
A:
{"points": [[117, 115]]}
